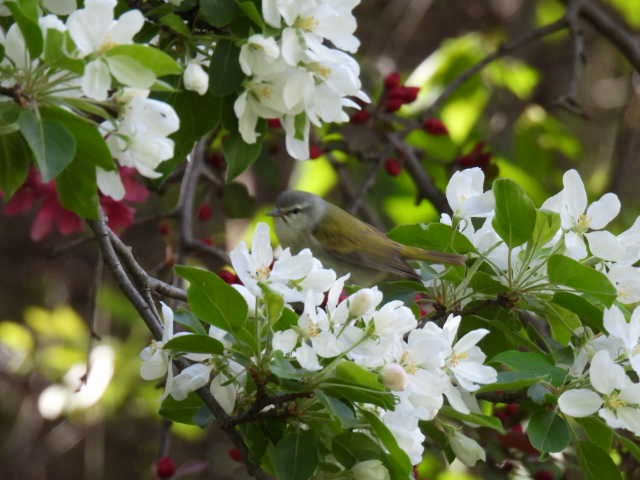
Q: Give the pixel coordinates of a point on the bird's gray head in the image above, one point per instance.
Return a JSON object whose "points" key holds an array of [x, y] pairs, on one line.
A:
{"points": [[299, 211]]}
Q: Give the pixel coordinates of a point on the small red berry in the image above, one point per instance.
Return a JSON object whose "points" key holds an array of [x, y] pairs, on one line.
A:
{"points": [[360, 117], [393, 166], [235, 454], [228, 276], [165, 467], [435, 126], [205, 212], [392, 80], [207, 241], [315, 151], [274, 123], [393, 104]]}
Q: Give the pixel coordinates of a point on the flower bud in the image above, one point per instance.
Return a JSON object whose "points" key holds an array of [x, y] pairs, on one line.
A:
{"points": [[393, 166], [370, 470], [165, 467], [196, 79], [392, 80], [466, 449], [360, 117], [364, 301], [395, 377], [435, 126]]}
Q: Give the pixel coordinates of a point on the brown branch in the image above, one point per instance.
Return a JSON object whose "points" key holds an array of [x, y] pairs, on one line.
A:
{"points": [[613, 28], [426, 188], [366, 186], [186, 204]]}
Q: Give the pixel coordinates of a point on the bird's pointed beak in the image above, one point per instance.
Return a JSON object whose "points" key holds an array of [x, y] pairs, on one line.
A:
{"points": [[276, 213]]}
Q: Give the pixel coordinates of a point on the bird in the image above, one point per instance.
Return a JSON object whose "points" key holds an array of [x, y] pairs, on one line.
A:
{"points": [[345, 243]]}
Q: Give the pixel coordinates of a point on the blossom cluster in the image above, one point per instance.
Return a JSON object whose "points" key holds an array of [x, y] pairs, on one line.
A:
{"points": [[605, 386], [294, 76], [422, 366]]}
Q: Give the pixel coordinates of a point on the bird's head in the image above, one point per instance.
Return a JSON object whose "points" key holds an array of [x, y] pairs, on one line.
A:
{"points": [[299, 211]]}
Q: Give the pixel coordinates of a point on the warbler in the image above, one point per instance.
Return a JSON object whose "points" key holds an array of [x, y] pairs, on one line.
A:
{"points": [[346, 244]]}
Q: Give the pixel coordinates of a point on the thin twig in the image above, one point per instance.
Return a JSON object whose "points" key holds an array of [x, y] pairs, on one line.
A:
{"points": [[366, 186], [346, 184]]}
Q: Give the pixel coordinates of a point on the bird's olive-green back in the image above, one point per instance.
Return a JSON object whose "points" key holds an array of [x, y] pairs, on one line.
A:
{"points": [[356, 242]]}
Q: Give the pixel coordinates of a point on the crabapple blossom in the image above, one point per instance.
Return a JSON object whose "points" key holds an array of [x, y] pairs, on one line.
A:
{"points": [[155, 360], [466, 196], [195, 78]]}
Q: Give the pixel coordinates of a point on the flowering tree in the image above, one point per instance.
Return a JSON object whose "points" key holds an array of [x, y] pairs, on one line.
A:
{"points": [[309, 375]]}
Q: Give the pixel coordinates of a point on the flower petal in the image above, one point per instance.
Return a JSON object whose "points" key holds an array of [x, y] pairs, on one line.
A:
{"points": [[602, 211], [580, 402]]}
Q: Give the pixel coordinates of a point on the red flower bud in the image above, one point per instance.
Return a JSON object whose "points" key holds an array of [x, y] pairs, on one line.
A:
{"points": [[205, 212], [229, 277], [543, 475], [274, 123], [393, 104], [165, 467], [217, 161], [207, 241], [410, 94], [235, 454], [164, 228], [392, 80], [360, 117], [435, 126], [393, 166], [315, 151]]}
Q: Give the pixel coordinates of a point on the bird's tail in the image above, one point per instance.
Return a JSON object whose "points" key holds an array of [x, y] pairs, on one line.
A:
{"points": [[433, 256]]}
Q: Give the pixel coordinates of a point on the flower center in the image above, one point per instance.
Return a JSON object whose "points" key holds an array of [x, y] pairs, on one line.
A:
{"points": [[306, 23], [321, 70], [263, 273], [614, 401], [408, 363], [583, 224], [456, 359]]}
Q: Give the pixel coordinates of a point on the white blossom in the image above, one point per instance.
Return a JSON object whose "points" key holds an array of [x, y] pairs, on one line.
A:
{"points": [[155, 360], [370, 470], [195, 78], [466, 449], [466, 196]]}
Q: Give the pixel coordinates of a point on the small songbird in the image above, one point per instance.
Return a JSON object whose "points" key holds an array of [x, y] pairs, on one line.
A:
{"points": [[345, 243]]}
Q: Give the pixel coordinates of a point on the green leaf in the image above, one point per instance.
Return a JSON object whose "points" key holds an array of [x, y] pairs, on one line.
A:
{"points": [[533, 364], [630, 445], [547, 225], [274, 303], [596, 463], [571, 273], [598, 431], [28, 26], [434, 236], [194, 343], [548, 432], [182, 411], [225, 74], [515, 217], [152, 59], [218, 12], [341, 411], [198, 115], [175, 23], [91, 148], [475, 418], [563, 322], [510, 381], [55, 52], [213, 300], [251, 11], [129, 71], [237, 202], [189, 320], [295, 456], [239, 155], [397, 461], [350, 448], [357, 384], [282, 368], [53, 146], [15, 159], [77, 188], [586, 311]]}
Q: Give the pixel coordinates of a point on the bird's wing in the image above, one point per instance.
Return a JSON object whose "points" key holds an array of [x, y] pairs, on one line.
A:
{"points": [[361, 244]]}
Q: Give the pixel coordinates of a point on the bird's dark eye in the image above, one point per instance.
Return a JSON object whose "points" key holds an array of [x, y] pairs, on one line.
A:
{"points": [[295, 210]]}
